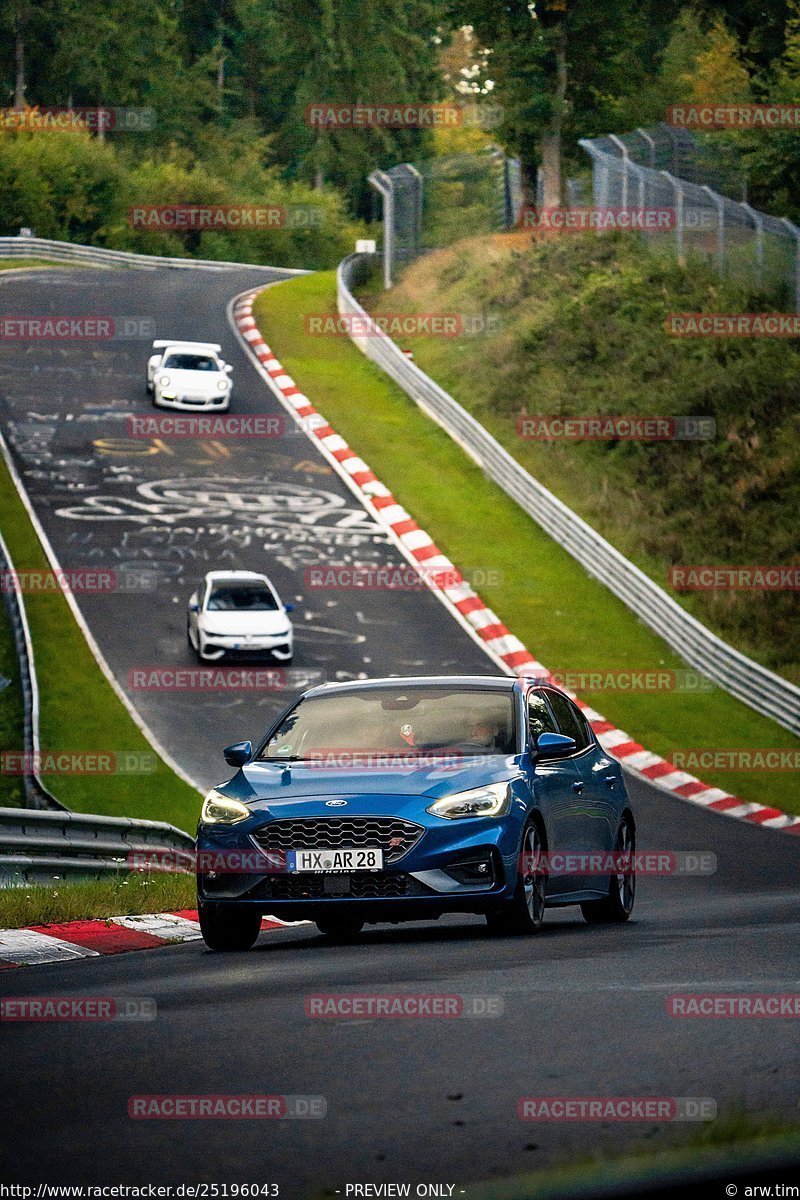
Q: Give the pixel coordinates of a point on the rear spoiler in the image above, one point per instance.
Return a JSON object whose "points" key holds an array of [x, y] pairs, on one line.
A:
{"points": [[162, 345]]}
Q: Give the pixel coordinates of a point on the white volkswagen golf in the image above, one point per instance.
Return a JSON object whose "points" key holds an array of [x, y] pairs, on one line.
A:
{"points": [[190, 376], [234, 612]]}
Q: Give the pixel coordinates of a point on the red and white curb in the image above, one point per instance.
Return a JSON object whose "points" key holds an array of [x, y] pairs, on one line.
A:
{"points": [[483, 625], [38, 944]]}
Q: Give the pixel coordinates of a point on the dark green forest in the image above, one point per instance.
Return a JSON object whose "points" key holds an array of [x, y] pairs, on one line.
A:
{"points": [[229, 85]]}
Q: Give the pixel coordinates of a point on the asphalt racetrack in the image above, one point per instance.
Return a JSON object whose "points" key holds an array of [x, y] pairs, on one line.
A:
{"points": [[430, 1100]]}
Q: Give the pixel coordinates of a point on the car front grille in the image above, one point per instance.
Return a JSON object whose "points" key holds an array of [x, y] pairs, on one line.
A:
{"points": [[392, 835], [368, 885]]}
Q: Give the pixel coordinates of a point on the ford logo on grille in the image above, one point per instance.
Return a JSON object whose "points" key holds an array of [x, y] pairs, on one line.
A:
{"points": [[335, 803]]}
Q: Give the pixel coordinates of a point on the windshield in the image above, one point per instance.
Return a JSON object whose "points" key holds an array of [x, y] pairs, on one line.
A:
{"points": [[402, 721], [251, 597], [190, 362]]}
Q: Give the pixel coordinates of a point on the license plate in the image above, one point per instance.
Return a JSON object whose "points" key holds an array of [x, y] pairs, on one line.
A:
{"points": [[334, 860]]}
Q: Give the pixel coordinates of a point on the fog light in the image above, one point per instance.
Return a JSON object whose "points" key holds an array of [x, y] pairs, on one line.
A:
{"points": [[473, 870]]}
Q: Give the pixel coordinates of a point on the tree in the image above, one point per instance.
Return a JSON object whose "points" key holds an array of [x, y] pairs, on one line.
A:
{"points": [[560, 68]]}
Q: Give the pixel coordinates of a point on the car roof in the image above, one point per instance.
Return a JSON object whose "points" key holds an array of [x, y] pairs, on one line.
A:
{"points": [[497, 683], [197, 347], [236, 576]]}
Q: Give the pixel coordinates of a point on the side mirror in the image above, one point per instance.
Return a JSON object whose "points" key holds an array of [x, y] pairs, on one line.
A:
{"points": [[238, 754], [554, 745], [289, 607], [228, 369], [194, 604]]}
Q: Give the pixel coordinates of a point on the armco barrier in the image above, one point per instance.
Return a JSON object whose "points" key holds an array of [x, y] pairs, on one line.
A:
{"points": [[68, 252], [745, 679], [36, 794], [36, 847]]}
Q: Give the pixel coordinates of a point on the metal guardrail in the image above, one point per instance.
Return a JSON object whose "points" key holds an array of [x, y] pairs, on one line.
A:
{"points": [[27, 247], [37, 847], [36, 794], [745, 679]]}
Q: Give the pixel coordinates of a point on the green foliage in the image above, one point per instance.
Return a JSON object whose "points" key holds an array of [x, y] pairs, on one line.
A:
{"points": [[75, 187], [581, 331], [204, 68]]}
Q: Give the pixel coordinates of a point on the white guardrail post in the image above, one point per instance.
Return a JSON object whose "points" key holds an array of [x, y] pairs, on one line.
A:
{"points": [[739, 675]]}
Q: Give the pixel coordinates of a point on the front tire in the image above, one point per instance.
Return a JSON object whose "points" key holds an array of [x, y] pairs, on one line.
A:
{"points": [[617, 906], [525, 913], [227, 927]]}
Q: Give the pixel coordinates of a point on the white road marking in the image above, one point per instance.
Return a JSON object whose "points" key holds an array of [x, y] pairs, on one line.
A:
{"points": [[28, 947]]}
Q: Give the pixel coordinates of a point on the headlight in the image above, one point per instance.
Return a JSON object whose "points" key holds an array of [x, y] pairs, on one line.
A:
{"points": [[494, 800], [221, 810], [223, 384], [165, 381]]}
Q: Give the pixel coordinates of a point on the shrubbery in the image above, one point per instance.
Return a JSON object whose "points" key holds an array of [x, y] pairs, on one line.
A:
{"points": [[75, 187]]}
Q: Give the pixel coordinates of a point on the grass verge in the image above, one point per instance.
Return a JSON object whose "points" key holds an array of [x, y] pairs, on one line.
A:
{"points": [[125, 895], [14, 264], [568, 620], [79, 709]]}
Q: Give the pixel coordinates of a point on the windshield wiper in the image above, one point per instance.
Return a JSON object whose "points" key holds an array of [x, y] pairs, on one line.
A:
{"points": [[282, 758]]}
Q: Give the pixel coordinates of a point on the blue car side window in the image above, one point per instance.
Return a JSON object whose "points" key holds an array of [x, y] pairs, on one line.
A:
{"points": [[539, 718]]}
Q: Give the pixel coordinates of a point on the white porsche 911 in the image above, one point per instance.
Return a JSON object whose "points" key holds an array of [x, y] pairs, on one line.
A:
{"points": [[190, 376], [234, 612]]}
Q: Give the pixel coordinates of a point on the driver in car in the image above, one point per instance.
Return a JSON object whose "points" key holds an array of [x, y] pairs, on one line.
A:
{"points": [[483, 731]]}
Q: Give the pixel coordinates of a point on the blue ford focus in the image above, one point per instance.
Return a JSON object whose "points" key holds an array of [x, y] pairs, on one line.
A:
{"points": [[403, 799]]}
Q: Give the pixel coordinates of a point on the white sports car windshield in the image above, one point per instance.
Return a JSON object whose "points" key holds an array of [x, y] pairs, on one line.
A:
{"points": [[239, 598], [190, 362], [401, 721]]}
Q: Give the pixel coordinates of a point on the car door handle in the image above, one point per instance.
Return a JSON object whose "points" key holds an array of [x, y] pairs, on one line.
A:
{"points": [[577, 787], [610, 780]]}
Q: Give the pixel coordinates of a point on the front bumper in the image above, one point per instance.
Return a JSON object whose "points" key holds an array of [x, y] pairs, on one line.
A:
{"points": [[278, 647], [215, 403], [469, 870]]}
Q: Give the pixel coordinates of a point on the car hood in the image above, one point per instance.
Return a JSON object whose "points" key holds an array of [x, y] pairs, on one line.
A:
{"points": [[298, 789], [196, 381], [231, 623]]}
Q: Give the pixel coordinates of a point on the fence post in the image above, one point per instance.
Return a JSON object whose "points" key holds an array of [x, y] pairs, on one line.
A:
{"points": [[612, 137], [639, 172], [645, 136], [509, 193], [677, 189], [418, 192], [383, 184], [795, 232], [719, 204], [758, 220]]}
